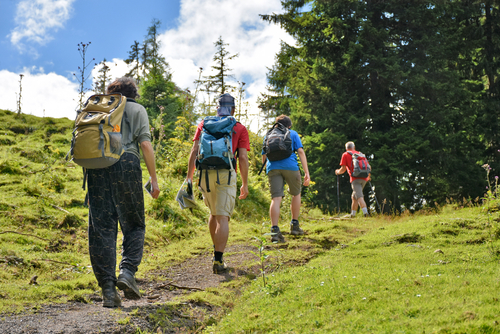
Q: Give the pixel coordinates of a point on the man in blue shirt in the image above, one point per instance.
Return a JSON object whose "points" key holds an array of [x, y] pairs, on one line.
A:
{"points": [[286, 171]]}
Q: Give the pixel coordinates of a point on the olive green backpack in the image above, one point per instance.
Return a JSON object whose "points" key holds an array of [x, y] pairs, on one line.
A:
{"points": [[97, 137]]}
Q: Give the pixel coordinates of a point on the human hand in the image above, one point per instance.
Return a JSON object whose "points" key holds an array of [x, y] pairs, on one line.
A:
{"points": [[337, 171], [156, 189], [307, 179], [243, 191]]}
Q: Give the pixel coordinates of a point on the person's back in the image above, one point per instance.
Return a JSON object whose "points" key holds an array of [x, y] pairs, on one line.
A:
{"points": [[115, 195], [286, 171], [357, 183], [218, 186]]}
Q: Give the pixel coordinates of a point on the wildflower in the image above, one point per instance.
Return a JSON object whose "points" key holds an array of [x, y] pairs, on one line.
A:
{"points": [[486, 166], [419, 295], [496, 177]]}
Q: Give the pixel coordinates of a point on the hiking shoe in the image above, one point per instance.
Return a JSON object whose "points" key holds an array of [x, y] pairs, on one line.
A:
{"points": [[367, 215], [219, 267], [295, 229], [277, 237], [126, 283], [110, 297]]}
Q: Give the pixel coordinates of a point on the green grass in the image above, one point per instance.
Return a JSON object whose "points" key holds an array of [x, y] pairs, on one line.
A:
{"points": [[390, 280], [436, 272]]}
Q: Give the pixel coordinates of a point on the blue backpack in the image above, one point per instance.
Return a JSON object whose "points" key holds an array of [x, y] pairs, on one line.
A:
{"points": [[216, 147]]}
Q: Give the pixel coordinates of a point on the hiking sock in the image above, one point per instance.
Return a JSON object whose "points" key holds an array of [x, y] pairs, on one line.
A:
{"points": [[218, 256], [353, 213], [365, 210]]}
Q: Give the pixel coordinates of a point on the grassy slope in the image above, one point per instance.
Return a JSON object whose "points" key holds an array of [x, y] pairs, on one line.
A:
{"points": [[423, 273], [388, 279]]}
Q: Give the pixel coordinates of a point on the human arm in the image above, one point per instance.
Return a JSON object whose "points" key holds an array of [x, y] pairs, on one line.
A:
{"points": [[149, 159], [192, 160], [243, 163], [303, 160], [341, 170]]}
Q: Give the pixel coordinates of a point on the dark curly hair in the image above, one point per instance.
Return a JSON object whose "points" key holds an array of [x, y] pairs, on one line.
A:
{"points": [[284, 120], [124, 85]]}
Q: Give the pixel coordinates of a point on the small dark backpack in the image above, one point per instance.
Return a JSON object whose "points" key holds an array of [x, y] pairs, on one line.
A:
{"points": [[278, 143], [361, 167]]}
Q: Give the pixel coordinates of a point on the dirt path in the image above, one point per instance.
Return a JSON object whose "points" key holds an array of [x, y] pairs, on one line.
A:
{"points": [[160, 287]]}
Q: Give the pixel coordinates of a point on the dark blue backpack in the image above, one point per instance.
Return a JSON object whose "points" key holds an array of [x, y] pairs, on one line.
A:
{"points": [[216, 146]]}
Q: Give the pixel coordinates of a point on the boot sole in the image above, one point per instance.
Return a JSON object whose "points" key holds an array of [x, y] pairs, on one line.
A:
{"points": [[129, 292]]}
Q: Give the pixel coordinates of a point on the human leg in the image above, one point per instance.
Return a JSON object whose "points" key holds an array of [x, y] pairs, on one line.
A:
{"points": [[274, 210], [102, 233], [220, 200], [129, 201], [357, 196], [276, 187]]}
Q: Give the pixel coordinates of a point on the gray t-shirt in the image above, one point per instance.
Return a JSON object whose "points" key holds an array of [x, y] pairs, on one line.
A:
{"points": [[137, 129]]}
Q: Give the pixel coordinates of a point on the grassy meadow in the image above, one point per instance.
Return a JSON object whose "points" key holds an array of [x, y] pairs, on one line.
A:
{"points": [[430, 272]]}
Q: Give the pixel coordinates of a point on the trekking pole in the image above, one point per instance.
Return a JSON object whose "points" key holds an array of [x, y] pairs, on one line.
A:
{"points": [[338, 196], [261, 168], [374, 195]]}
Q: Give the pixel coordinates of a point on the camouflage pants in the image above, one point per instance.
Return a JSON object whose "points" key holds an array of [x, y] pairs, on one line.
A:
{"points": [[116, 195]]}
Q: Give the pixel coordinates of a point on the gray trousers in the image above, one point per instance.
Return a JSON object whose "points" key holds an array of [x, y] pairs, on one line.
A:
{"points": [[116, 195]]}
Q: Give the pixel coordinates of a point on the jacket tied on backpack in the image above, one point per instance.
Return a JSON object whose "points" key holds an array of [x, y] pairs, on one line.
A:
{"points": [[216, 146]]}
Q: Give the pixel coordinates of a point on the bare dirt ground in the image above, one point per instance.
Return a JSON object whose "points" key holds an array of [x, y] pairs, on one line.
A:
{"points": [[159, 288]]}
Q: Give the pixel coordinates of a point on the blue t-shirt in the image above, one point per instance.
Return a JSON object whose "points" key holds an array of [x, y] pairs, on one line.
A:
{"points": [[289, 163]]}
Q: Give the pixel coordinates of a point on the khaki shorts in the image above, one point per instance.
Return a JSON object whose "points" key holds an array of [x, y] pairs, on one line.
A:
{"points": [[277, 179], [220, 199], [357, 188]]}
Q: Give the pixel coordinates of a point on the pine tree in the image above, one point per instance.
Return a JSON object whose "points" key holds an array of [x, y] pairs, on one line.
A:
{"points": [[103, 79], [218, 83], [392, 77], [134, 59], [157, 88]]}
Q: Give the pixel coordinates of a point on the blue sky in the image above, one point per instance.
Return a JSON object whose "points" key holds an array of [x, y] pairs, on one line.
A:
{"points": [[38, 38]]}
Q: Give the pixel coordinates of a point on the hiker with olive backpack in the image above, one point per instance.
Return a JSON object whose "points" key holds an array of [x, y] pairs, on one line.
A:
{"points": [[278, 154], [108, 147], [359, 171]]}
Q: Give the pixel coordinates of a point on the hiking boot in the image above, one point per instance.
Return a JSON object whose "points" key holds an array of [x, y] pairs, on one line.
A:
{"points": [[367, 215], [110, 297], [126, 283], [219, 267], [277, 237], [295, 228]]}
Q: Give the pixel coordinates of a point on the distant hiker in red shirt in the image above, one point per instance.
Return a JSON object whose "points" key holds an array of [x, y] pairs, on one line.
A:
{"points": [[357, 183], [218, 171]]}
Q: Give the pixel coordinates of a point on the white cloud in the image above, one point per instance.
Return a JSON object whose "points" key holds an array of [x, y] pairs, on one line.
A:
{"points": [[36, 19], [191, 45], [49, 95]]}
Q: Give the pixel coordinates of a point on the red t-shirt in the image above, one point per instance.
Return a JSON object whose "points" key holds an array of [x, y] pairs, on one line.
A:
{"points": [[240, 137], [347, 161]]}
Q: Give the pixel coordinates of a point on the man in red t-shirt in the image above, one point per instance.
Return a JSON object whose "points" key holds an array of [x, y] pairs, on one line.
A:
{"points": [[221, 196], [357, 183]]}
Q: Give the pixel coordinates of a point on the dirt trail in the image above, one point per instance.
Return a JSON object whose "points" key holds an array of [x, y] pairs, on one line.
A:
{"points": [[160, 287]]}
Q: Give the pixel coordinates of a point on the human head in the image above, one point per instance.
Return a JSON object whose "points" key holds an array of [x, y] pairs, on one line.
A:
{"points": [[226, 105], [124, 85], [349, 146], [284, 120]]}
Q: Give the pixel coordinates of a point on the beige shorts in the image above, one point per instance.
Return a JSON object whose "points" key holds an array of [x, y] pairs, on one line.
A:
{"points": [[220, 199], [357, 188], [277, 179]]}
